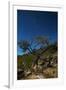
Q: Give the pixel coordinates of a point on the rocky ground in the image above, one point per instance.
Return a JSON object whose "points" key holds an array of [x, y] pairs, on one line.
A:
{"points": [[47, 66], [40, 72]]}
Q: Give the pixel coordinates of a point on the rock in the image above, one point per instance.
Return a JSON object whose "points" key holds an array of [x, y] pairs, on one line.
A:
{"points": [[40, 76], [34, 76], [50, 72], [28, 72]]}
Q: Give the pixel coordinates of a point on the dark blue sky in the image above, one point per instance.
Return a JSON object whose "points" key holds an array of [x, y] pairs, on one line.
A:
{"points": [[34, 23]]}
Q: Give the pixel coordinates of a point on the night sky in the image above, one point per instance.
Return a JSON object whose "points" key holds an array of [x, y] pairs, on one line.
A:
{"points": [[36, 23]]}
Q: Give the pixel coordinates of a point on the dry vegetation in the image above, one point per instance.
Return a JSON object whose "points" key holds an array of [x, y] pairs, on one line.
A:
{"points": [[46, 68]]}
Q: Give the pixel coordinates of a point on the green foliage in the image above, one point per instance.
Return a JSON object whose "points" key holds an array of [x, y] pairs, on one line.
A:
{"points": [[28, 60]]}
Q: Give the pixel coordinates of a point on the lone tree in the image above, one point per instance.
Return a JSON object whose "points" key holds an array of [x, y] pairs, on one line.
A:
{"points": [[38, 43]]}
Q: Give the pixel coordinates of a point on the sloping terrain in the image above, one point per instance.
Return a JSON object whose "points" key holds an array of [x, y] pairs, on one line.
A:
{"points": [[46, 68]]}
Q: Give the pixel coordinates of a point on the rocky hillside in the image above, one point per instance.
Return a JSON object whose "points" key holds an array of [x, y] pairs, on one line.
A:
{"points": [[46, 68]]}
